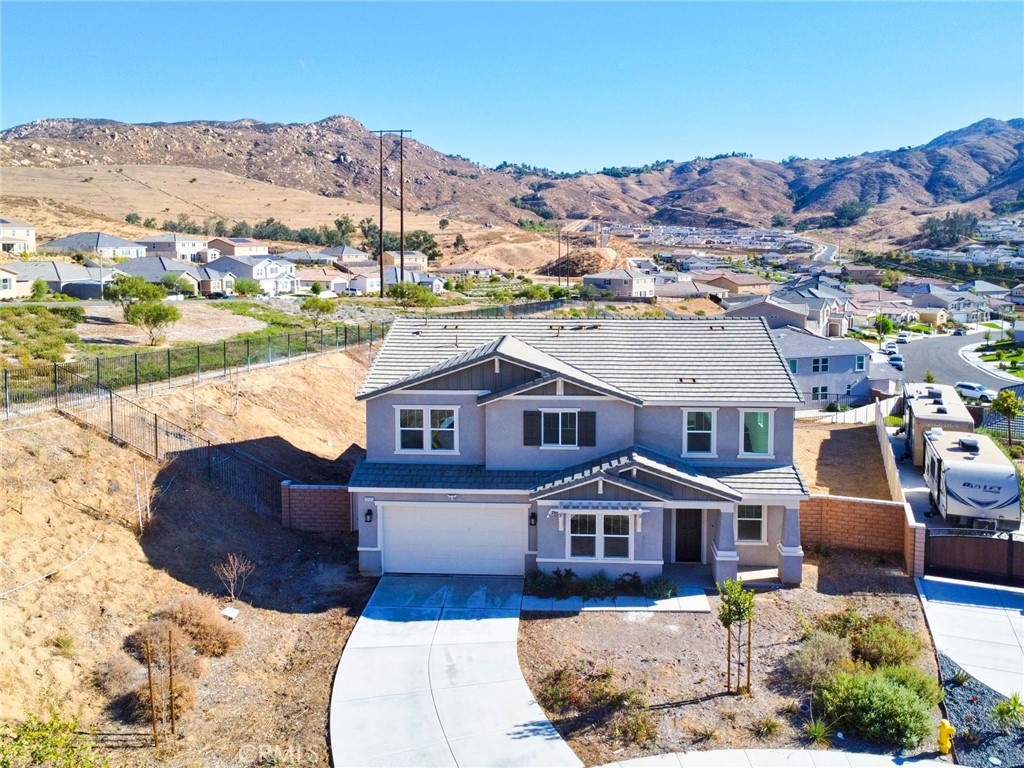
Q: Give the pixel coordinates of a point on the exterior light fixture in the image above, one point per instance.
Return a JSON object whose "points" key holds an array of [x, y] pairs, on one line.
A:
{"points": [[452, 496], [368, 517], [533, 518]]}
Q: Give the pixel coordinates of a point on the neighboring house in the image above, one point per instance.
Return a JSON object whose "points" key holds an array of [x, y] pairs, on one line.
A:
{"points": [[179, 246], [304, 257], [862, 274], [411, 261], [468, 268], [934, 316], [984, 289], [366, 280], [645, 265], [330, 279], [275, 276], [343, 254], [826, 369], [239, 246], [961, 307], [200, 279], [497, 446], [13, 285], [64, 277], [435, 284], [16, 236], [777, 313], [742, 282], [624, 283], [100, 243], [685, 288]]}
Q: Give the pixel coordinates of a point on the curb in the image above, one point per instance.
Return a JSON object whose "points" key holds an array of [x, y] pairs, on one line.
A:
{"points": [[973, 360]]}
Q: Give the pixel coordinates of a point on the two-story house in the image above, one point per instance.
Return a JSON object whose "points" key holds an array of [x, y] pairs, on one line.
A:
{"points": [[275, 276], [180, 246], [623, 283], [239, 246], [411, 261], [101, 244], [497, 446], [16, 236], [198, 279], [831, 370]]}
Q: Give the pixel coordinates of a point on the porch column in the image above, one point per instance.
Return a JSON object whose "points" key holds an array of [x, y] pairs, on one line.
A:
{"points": [[724, 559], [791, 554]]}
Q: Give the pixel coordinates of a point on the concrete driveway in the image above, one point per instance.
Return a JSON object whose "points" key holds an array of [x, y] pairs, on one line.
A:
{"points": [[431, 677], [980, 627]]}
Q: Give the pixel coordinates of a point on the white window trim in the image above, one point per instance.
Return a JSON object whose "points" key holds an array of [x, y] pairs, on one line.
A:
{"points": [[713, 453], [599, 536], [860, 363], [819, 393], [736, 526], [426, 409], [558, 447], [771, 434], [821, 363]]}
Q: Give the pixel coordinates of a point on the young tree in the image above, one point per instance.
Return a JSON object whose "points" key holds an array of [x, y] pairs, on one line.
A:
{"points": [[246, 286], [133, 218], [736, 609], [1008, 405], [317, 309], [929, 377], [233, 572], [460, 243], [883, 325], [127, 290], [176, 283], [316, 289], [410, 294], [150, 222], [39, 289], [443, 224], [153, 316]]}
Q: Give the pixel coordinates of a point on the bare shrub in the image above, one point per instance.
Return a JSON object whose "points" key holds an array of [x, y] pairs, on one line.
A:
{"points": [[118, 675], [818, 657], [200, 618], [137, 703], [186, 663], [233, 572]]}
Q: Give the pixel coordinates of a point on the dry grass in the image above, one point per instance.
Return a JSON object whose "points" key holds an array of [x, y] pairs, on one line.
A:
{"points": [[136, 705], [840, 460], [199, 617], [162, 635], [119, 675]]}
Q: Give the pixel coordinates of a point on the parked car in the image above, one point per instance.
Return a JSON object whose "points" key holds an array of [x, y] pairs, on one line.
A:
{"points": [[903, 337], [960, 332], [970, 391], [897, 362], [889, 348]]}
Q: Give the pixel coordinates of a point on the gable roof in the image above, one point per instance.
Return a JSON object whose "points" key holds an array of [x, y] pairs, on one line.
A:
{"points": [[344, 250], [742, 278], [88, 241], [7, 221], [172, 237], [155, 267], [704, 360], [60, 271], [797, 342], [621, 274]]}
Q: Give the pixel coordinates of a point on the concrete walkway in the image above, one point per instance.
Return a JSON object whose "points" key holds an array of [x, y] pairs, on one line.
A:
{"points": [[430, 677], [980, 627], [776, 758]]}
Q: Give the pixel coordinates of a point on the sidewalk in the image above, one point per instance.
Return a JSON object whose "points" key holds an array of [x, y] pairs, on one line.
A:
{"points": [[969, 356]]}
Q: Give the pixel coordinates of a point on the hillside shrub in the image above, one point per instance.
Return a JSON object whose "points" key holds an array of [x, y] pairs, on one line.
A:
{"points": [[200, 618], [158, 632], [50, 739], [818, 657], [875, 708]]}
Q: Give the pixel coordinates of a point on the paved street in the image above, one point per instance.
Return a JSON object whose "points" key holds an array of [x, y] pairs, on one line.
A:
{"points": [[940, 355]]}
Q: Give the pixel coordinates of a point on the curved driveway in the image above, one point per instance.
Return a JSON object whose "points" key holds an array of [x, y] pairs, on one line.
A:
{"points": [[430, 677]]}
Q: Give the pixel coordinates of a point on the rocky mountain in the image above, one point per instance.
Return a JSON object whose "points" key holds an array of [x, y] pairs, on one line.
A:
{"points": [[338, 157]]}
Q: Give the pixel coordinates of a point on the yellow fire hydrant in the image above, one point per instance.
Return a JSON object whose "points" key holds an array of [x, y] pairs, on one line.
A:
{"points": [[946, 734]]}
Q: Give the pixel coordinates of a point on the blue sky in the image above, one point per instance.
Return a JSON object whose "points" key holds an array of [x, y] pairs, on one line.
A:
{"points": [[562, 85]]}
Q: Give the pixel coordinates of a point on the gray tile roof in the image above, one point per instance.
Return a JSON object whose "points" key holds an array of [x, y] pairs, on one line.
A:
{"points": [[728, 482], [7, 221], [88, 241], [796, 343], [60, 271], [173, 237], [155, 267], [727, 360], [343, 250]]}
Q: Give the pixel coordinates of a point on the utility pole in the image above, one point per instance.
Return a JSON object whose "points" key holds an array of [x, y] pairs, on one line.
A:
{"points": [[380, 231], [401, 198], [558, 261]]}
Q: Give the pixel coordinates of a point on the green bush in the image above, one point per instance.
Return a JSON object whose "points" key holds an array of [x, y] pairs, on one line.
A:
{"points": [[875, 708], [659, 587], [539, 583], [52, 740], [598, 585], [818, 657], [883, 642], [567, 583], [629, 584], [842, 624], [915, 679]]}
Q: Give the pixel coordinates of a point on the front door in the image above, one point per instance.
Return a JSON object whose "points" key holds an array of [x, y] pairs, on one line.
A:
{"points": [[688, 535]]}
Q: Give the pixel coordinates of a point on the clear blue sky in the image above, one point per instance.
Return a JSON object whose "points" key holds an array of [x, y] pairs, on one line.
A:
{"points": [[563, 85]]}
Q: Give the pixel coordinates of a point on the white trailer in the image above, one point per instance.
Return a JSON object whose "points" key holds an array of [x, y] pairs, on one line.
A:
{"points": [[971, 482]]}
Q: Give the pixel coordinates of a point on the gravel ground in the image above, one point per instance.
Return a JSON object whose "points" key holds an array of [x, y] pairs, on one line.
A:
{"points": [[968, 707]]}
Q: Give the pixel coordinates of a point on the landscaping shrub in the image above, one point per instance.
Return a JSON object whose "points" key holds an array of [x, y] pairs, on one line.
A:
{"points": [[1008, 713], [597, 585], [539, 583], [925, 686], [199, 617], [186, 663], [842, 624], [883, 642], [564, 689], [629, 584], [660, 587], [567, 583], [818, 657], [119, 675], [638, 726], [875, 708]]}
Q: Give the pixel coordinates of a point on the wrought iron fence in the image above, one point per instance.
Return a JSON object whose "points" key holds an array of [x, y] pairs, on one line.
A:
{"points": [[832, 403], [242, 477]]}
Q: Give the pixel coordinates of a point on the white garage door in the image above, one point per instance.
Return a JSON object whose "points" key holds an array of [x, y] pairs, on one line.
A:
{"points": [[454, 538]]}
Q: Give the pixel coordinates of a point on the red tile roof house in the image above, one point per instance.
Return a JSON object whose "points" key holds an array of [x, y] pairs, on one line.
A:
{"points": [[498, 446]]}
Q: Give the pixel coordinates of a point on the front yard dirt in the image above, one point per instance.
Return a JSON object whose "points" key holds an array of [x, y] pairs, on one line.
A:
{"points": [[678, 660], [840, 459]]}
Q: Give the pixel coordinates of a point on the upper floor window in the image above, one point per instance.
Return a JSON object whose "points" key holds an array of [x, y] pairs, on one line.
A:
{"points": [[558, 429], [859, 363], [756, 437], [792, 366], [819, 365], [562, 428], [699, 432], [422, 428]]}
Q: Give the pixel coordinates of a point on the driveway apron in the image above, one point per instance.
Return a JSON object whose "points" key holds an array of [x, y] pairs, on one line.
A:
{"points": [[430, 677]]}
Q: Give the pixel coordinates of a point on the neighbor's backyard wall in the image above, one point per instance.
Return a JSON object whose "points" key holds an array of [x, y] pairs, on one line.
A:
{"points": [[315, 508]]}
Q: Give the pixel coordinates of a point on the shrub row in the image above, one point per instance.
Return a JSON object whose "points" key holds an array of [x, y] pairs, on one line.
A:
{"points": [[562, 584]]}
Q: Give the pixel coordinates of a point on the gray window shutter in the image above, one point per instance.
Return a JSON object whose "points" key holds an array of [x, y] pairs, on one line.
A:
{"points": [[587, 427], [531, 427]]}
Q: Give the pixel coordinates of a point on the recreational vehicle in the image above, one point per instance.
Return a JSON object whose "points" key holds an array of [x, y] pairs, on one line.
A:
{"points": [[928, 406], [970, 481]]}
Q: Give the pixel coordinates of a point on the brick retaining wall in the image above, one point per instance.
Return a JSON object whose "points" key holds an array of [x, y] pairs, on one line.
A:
{"points": [[316, 508]]}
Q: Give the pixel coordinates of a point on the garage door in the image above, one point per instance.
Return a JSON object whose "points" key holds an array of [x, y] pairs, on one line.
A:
{"points": [[454, 538]]}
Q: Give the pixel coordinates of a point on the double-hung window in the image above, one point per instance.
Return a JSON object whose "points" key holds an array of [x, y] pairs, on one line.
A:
{"points": [[859, 364], [756, 436], [750, 523], [699, 433], [427, 429], [599, 536], [819, 393], [819, 365], [558, 429]]}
